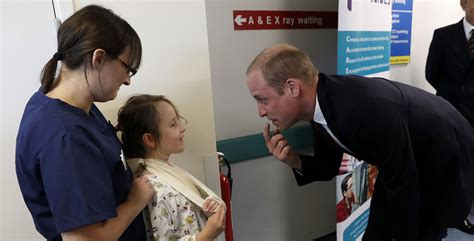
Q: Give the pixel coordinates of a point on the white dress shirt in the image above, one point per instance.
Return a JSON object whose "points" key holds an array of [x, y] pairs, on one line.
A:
{"points": [[319, 118], [467, 28]]}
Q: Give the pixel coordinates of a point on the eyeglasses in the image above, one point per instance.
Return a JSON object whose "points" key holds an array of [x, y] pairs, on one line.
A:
{"points": [[131, 71]]}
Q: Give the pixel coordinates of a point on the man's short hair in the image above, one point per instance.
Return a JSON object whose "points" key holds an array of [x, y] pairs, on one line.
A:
{"points": [[281, 62]]}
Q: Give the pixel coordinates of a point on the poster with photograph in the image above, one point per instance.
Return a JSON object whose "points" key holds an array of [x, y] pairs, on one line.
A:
{"points": [[355, 186], [364, 37]]}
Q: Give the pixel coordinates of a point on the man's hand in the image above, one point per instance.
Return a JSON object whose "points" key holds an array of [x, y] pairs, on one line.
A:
{"points": [[280, 149]]}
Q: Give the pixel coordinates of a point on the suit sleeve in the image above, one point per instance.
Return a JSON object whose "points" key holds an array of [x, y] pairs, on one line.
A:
{"points": [[434, 62], [324, 164]]}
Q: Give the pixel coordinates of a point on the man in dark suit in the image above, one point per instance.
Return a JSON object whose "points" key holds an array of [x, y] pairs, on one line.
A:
{"points": [[450, 65], [450, 69], [422, 146]]}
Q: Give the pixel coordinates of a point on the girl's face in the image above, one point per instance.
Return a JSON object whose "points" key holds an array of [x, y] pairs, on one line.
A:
{"points": [[171, 130]]}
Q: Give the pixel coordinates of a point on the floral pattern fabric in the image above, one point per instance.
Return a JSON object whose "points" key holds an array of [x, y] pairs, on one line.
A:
{"points": [[170, 216]]}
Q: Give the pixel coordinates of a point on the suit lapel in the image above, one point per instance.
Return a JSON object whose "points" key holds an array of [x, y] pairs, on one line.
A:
{"points": [[328, 99], [323, 93], [459, 44], [318, 128]]}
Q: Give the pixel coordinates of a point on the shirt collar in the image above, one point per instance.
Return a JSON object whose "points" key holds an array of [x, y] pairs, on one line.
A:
{"points": [[318, 114], [467, 28]]}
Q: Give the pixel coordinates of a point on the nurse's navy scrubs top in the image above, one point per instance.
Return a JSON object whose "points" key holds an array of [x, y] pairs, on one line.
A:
{"points": [[69, 168]]}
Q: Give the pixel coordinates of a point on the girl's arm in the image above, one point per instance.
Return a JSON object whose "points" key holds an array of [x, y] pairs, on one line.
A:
{"points": [[174, 217]]}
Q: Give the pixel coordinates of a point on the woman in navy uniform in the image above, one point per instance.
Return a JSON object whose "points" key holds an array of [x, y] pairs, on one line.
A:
{"points": [[68, 160]]}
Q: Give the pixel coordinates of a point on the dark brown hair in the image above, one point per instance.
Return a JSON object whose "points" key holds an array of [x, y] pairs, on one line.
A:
{"points": [[88, 29], [138, 116]]}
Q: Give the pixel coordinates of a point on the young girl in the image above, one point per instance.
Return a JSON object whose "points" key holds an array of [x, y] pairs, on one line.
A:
{"points": [[152, 130]]}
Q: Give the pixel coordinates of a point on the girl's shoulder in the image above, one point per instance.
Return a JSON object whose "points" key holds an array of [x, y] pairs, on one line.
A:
{"points": [[154, 179], [166, 193], [160, 186]]}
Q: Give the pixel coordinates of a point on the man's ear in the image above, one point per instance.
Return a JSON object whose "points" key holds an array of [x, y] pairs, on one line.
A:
{"points": [[149, 140], [294, 86], [98, 58]]}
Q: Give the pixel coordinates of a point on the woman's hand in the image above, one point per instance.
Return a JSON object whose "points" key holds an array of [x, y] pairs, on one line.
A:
{"points": [[141, 192]]}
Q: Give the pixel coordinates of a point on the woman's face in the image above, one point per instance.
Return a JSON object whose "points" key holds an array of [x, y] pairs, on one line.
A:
{"points": [[171, 130], [111, 76]]}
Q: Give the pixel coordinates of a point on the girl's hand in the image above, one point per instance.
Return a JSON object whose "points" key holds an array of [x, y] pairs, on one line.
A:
{"points": [[211, 205], [214, 226]]}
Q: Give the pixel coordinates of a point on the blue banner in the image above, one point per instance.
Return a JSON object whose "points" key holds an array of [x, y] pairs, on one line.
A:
{"points": [[401, 31], [363, 52]]}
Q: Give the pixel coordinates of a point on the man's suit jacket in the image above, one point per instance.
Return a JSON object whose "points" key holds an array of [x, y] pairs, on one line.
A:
{"points": [[422, 146], [450, 68]]}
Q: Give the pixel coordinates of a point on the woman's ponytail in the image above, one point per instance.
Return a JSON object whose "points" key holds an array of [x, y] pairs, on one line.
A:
{"points": [[48, 73]]}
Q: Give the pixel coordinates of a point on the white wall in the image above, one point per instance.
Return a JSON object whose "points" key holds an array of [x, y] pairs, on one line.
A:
{"points": [[427, 16], [268, 205], [1, 115], [175, 63], [28, 41]]}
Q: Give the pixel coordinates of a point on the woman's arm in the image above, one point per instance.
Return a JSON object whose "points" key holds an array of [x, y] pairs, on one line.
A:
{"points": [[140, 194]]}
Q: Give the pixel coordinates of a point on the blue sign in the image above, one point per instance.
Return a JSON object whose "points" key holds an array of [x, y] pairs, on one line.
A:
{"points": [[357, 227], [363, 52], [402, 11]]}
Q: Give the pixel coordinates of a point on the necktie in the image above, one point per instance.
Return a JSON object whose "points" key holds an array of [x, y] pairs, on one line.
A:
{"points": [[470, 44]]}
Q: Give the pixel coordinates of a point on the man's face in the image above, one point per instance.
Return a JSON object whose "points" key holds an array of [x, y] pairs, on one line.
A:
{"points": [[281, 110], [468, 7]]}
